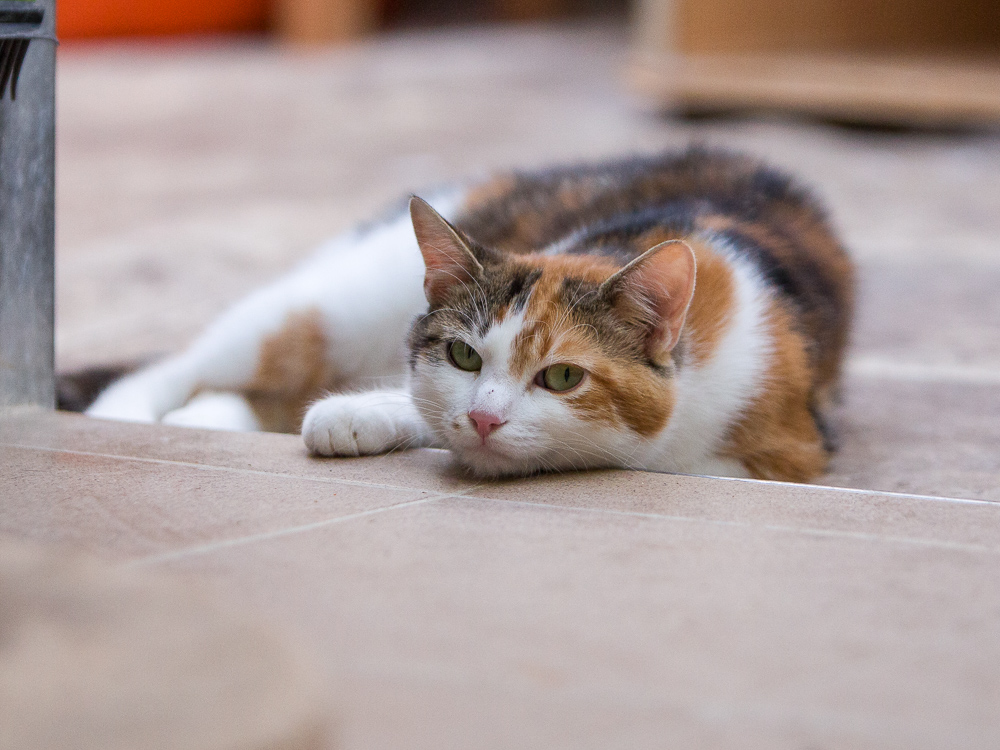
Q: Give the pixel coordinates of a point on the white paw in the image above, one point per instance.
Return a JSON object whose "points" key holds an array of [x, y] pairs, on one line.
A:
{"points": [[353, 425], [215, 411]]}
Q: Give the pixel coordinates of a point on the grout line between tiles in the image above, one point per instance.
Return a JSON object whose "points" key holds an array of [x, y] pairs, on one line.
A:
{"points": [[805, 530], [832, 488], [463, 495], [470, 488], [229, 469], [204, 549]]}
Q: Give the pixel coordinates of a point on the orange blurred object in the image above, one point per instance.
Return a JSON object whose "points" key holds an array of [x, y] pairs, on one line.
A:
{"points": [[104, 18]]}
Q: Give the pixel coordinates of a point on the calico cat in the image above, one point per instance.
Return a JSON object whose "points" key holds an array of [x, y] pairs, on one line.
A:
{"points": [[685, 312]]}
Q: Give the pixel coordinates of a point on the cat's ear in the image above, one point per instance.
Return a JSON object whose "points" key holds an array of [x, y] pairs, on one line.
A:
{"points": [[656, 289], [447, 256]]}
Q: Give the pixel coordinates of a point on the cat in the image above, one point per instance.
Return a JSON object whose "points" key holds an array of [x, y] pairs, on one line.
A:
{"points": [[683, 312]]}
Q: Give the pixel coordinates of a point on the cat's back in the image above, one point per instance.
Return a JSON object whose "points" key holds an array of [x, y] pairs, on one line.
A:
{"points": [[522, 212]]}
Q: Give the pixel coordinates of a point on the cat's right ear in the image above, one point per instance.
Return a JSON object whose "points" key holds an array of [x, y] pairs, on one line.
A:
{"points": [[447, 256]]}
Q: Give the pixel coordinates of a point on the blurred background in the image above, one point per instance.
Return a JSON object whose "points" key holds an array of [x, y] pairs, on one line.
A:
{"points": [[308, 21], [206, 146]]}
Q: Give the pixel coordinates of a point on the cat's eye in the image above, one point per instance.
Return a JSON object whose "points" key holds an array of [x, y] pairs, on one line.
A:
{"points": [[464, 357], [560, 377]]}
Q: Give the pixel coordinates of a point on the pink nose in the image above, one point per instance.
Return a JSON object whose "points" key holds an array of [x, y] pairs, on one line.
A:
{"points": [[485, 422]]}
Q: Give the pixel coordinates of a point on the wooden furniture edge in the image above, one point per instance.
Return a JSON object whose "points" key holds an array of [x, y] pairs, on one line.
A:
{"points": [[931, 91]]}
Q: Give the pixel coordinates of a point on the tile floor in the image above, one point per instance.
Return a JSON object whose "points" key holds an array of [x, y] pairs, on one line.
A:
{"points": [[600, 610], [603, 610]]}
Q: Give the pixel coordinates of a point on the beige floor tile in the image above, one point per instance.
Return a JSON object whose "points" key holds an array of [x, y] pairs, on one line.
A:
{"points": [[390, 712], [925, 438], [264, 452], [766, 505], [125, 507], [939, 311], [713, 631]]}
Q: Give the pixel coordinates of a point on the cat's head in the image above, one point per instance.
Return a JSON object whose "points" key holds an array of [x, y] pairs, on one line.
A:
{"points": [[536, 362]]}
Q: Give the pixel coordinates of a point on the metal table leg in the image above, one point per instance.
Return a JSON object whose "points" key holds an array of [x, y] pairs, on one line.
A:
{"points": [[27, 206]]}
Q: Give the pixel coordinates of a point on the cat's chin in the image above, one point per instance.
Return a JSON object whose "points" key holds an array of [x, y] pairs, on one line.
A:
{"points": [[494, 463], [491, 463]]}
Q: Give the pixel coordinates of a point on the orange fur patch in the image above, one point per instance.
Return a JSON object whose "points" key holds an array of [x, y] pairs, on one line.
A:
{"points": [[292, 370], [546, 320], [635, 396], [777, 438], [617, 393], [712, 307]]}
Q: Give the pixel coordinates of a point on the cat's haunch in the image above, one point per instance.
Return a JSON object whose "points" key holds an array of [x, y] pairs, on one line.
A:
{"points": [[686, 312]]}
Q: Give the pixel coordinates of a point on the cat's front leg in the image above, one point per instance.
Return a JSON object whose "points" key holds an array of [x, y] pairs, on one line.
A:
{"points": [[360, 424]]}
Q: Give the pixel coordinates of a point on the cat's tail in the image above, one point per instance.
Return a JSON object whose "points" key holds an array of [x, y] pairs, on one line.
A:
{"points": [[78, 389]]}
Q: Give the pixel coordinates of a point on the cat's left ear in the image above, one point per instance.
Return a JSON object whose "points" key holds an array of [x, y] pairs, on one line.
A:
{"points": [[447, 256], [656, 289]]}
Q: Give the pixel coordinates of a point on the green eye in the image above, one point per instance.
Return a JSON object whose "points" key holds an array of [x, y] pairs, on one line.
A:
{"points": [[560, 377], [464, 357]]}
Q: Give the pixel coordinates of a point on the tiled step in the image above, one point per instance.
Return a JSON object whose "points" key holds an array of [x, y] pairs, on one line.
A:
{"points": [[605, 609]]}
